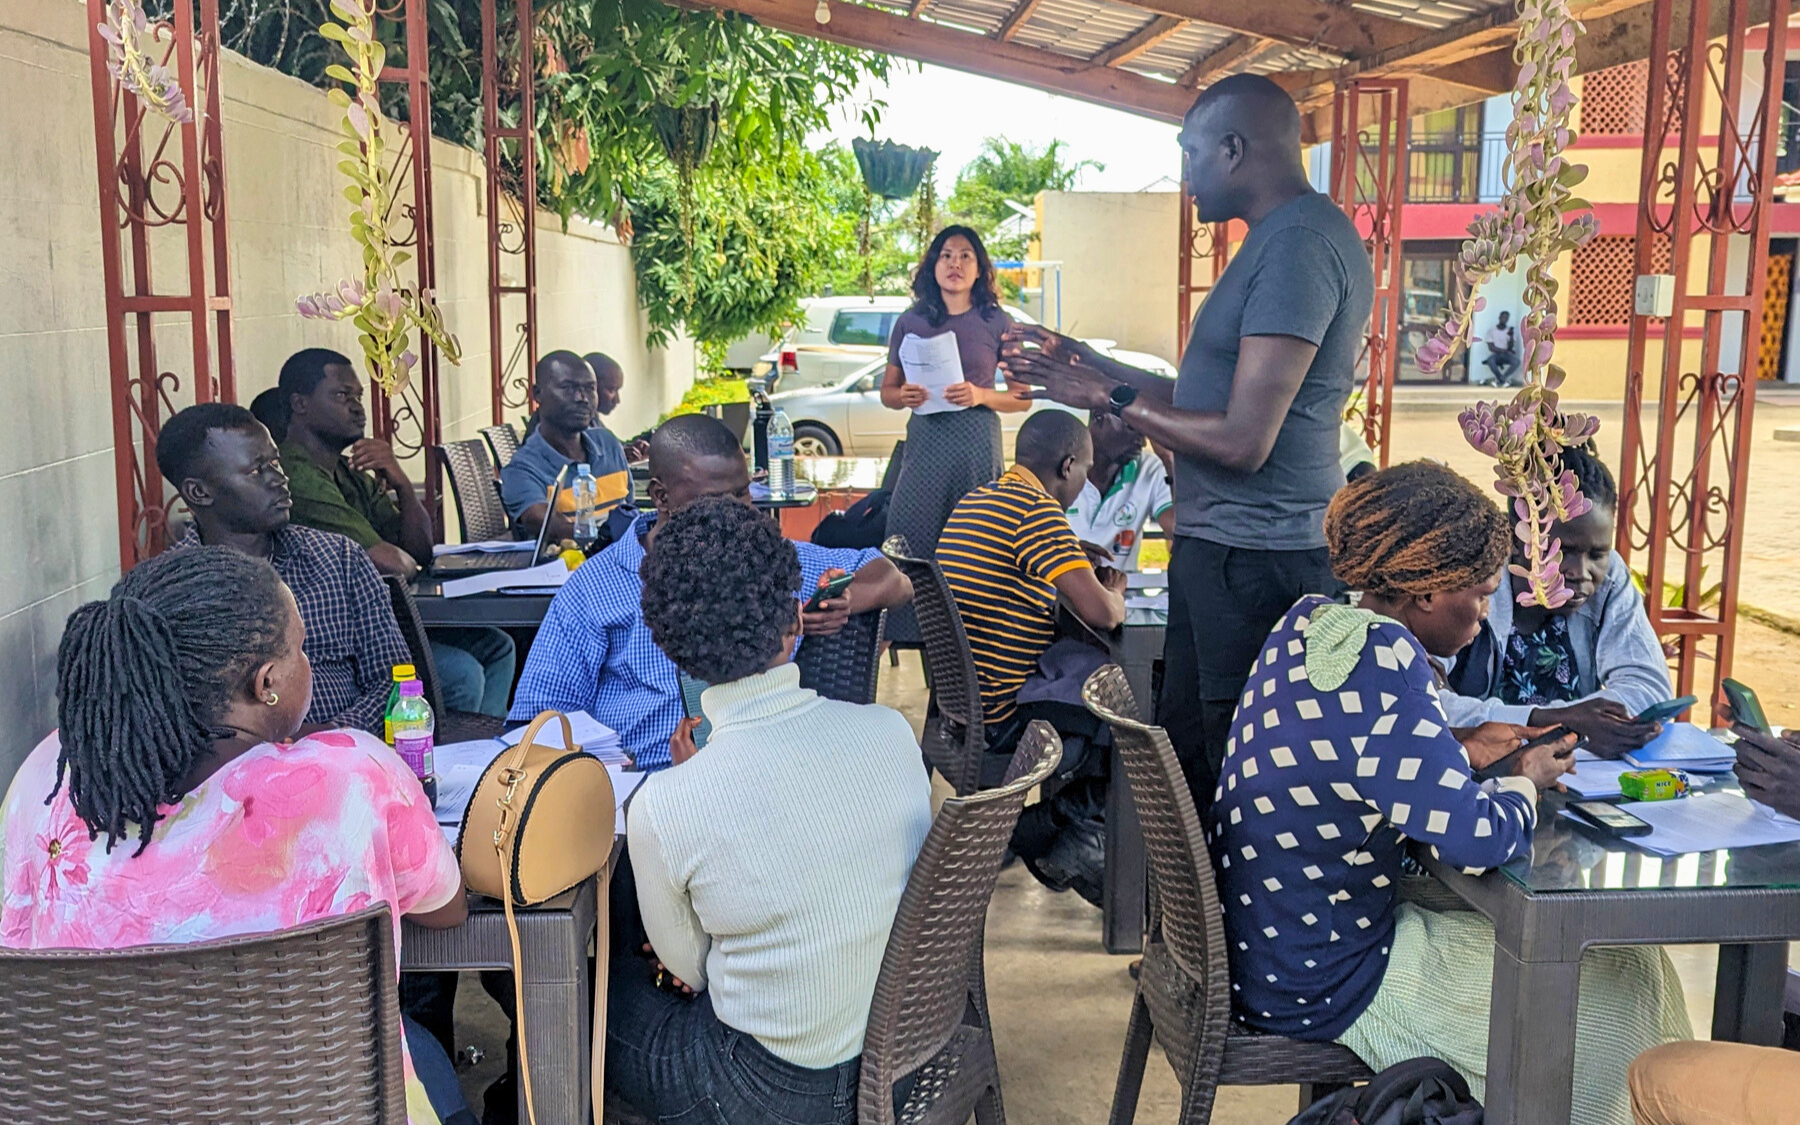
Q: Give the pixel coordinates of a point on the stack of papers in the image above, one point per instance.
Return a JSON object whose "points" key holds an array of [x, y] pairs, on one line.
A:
{"points": [[589, 733], [1595, 778], [485, 547], [1684, 746], [545, 578], [1706, 822]]}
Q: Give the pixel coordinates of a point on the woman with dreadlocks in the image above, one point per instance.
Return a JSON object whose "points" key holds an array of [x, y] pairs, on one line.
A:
{"points": [[1340, 753], [169, 806], [1592, 664]]}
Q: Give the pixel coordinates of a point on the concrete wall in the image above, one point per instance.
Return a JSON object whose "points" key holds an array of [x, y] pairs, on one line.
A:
{"points": [[1119, 256], [288, 237]]}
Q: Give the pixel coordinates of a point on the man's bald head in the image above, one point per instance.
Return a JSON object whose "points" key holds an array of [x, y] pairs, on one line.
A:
{"points": [[692, 456], [1240, 143]]}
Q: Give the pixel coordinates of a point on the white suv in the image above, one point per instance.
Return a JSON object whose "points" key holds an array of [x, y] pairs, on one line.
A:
{"points": [[839, 335]]}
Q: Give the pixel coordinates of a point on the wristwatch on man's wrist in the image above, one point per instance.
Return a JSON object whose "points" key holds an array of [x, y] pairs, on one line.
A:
{"points": [[1123, 395]]}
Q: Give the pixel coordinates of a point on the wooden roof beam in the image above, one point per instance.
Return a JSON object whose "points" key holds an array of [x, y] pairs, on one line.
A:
{"points": [[855, 25], [1339, 29], [1016, 18], [1240, 50], [1144, 39]]}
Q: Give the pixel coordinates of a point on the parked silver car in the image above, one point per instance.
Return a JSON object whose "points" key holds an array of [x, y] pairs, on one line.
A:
{"points": [[847, 418]]}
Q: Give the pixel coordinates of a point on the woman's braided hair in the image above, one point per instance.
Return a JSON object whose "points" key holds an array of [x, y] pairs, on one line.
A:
{"points": [[721, 586], [144, 678], [1417, 528]]}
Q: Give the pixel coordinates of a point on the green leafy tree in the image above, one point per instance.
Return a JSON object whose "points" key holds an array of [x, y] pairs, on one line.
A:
{"points": [[1009, 170]]}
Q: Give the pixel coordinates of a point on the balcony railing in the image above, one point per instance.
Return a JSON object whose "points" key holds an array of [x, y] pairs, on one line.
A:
{"points": [[1455, 169]]}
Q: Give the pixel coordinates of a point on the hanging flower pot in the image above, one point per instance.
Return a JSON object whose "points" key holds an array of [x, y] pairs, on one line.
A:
{"points": [[687, 133], [889, 170]]}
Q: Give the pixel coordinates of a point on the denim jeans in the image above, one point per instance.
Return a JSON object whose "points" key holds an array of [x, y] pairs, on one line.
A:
{"points": [[672, 1060], [436, 1073], [475, 669]]}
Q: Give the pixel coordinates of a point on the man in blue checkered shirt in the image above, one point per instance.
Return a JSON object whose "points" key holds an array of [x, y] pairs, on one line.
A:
{"points": [[224, 464], [594, 653]]}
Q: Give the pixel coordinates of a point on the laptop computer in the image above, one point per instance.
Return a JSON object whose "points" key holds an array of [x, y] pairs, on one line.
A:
{"points": [[487, 562]]}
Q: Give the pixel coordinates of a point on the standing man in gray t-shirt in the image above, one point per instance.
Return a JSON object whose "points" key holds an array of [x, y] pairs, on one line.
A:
{"points": [[1253, 418]]}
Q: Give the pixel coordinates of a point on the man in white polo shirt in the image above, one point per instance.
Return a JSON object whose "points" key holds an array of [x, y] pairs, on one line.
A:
{"points": [[1128, 484]]}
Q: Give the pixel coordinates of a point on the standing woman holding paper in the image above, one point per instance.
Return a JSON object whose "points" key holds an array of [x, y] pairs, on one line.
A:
{"points": [[953, 437]]}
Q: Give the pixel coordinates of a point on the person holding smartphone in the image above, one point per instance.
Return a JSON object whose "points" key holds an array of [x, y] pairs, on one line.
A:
{"points": [[1592, 664], [1341, 754]]}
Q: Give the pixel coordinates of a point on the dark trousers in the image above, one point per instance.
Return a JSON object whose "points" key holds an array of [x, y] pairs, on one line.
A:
{"points": [[1077, 790], [436, 1073], [1222, 603], [673, 1060]]}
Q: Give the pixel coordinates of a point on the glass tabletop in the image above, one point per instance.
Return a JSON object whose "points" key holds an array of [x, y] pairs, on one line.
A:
{"points": [[1569, 856]]}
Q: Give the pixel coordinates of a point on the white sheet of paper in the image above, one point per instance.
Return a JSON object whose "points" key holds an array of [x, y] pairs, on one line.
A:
{"points": [[1684, 746], [1706, 822], [546, 576], [934, 364], [587, 731], [1594, 777]]}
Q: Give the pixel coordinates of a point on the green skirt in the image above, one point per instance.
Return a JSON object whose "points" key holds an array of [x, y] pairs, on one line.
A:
{"points": [[1434, 1000]]}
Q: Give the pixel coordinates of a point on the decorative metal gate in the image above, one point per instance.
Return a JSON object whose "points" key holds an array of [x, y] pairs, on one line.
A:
{"points": [[511, 205], [1704, 202]]}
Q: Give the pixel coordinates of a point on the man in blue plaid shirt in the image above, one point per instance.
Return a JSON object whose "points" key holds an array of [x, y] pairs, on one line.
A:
{"points": [[224, 464], [594, 653]]}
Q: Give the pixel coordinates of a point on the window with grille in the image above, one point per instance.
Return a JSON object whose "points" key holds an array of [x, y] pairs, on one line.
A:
{"points": [[1612, 100], [1602, 275]]}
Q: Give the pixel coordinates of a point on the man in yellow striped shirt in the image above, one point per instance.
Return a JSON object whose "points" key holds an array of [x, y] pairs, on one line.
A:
{"points": [[1008, 553]]}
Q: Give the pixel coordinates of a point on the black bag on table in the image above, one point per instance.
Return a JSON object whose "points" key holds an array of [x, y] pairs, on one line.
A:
{"points": [[1423, 1091]]}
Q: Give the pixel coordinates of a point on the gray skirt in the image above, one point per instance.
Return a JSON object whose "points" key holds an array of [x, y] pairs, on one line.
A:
{"points": [[947, 456]]}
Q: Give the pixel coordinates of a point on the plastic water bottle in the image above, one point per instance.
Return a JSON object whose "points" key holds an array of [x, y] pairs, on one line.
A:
{"points": [[587, 521], [414, 727], [402, 673], [781, 456]]}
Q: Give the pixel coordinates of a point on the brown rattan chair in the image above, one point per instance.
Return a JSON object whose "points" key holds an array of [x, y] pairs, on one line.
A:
{"points": [[476, 490], [955, 738], [846, 665], [1184, 989], [452, 726], [929, 1032], [503, 442], [299, 1026]]}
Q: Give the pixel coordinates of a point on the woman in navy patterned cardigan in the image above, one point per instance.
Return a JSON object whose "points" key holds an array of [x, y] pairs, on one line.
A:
{"points": [[1340, 753]]}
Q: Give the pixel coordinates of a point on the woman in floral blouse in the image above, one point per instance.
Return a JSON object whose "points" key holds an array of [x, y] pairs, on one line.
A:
{"points": [[1591, 664], [168, 807]]}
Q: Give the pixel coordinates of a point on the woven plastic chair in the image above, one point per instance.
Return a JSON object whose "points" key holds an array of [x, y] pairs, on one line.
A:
{"points": [[503, 442], [1183, 996], [955, 738], [477, 492], [299, 1026], [929, 1018], [846, 665], [452, 726]]}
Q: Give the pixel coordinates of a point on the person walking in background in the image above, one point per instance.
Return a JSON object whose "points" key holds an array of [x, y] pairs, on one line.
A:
{"points": [[1255, 416], [1503, 354], [953, 439]]}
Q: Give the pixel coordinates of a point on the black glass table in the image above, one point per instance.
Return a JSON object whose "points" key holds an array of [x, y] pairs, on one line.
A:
{"points": [[1581, 888]]}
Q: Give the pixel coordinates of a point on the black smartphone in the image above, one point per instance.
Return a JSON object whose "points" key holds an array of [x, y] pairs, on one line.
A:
{"points": [[1609, 818], [1505, 766], [1745, 707], [1668, 709], [831, 589]]}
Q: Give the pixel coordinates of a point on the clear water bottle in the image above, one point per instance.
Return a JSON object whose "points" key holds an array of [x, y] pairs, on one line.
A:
{"points": [[414, 736], [781, 456], [587, 519]]}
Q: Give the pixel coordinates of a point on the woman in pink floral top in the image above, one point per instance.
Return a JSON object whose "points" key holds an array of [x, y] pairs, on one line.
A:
{"points": [[169, 807]]}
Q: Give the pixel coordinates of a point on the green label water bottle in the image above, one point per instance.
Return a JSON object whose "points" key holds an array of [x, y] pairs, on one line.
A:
{"points": [[402, 673]]}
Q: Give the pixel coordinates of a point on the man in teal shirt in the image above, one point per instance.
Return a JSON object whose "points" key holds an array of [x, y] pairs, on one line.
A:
{"points": [[568, 400], [353, 485]]}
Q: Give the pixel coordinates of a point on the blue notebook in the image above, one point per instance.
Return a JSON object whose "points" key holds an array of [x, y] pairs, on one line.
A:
{"points": [[1685, 746]]}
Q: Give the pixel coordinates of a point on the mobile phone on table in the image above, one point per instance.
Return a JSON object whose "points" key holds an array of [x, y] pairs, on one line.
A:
{"points": [[1745, 707], [832, 589], [1609, 818], [1668, 709]]}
